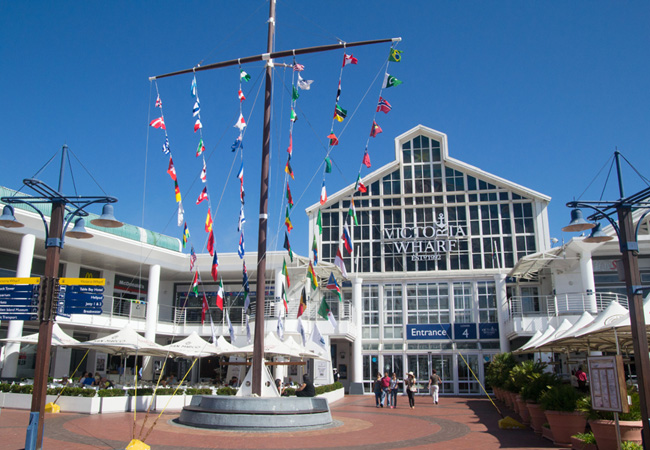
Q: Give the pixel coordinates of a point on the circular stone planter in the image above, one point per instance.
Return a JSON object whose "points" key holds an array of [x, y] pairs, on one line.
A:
{"points": [[217, 411], [605, 432], [565, 424], [537, 417]]}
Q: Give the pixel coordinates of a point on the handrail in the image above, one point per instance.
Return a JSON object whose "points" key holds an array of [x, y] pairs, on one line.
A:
{"points": [[561, 304]]}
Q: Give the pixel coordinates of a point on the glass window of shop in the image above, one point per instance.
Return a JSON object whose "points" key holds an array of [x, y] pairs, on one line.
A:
{"points": [[427, 303], [393, 314], [370, 296]]}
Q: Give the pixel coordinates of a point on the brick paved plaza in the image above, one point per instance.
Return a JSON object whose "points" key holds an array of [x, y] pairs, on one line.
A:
{"points": [[457, 423]]}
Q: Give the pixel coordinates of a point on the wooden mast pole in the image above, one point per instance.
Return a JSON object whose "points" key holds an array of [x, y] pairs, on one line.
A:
{"points": [[258, 343]]}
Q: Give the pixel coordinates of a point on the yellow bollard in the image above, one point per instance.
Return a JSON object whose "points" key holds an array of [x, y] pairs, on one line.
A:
{"points": [[52, 408], [135, 444]]}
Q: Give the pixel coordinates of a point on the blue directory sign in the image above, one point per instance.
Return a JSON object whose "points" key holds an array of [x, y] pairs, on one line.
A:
{"points": [[464, 331], [488, 330], [19, 298], [81, 296], [428, 331]]}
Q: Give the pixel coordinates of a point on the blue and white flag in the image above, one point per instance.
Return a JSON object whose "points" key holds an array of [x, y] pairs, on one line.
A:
{"points": [[197, 108], [194, 87], [301, 330], [318, 338], [231, 330], [280, 328], [240, 250], [242, 218], [165, 147], [248, 328]]}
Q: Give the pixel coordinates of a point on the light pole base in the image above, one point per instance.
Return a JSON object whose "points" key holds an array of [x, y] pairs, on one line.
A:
{"points": [[32, 431]]}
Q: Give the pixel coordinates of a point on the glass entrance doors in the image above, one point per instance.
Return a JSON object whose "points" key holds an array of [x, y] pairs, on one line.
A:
{"points": [[467, 384]]}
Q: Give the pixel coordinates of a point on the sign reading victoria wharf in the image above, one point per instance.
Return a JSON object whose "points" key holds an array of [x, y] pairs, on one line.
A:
{"points": [[424, 243]]}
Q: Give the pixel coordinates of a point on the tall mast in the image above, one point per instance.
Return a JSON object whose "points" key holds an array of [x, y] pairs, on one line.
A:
{"points": [[258, 344]]}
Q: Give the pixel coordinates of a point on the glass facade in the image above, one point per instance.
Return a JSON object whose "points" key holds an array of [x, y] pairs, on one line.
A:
{"points": [[429, 216], [432, 234]]}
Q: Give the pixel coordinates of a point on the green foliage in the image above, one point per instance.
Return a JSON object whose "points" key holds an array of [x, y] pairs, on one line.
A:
{"points": [[328, 388], [5, 387], [18, 389], [629, 445], [587, 438], [290, 391], [140, 392], [226, 390], [560, 398], [522, 374], [498, 372], [72, 392], [634, 414], [168, 391], [111, 392], [198, 391], [537, 385]]}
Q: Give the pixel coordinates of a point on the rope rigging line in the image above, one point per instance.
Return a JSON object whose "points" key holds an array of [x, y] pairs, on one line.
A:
{"points": [[610, 159]]}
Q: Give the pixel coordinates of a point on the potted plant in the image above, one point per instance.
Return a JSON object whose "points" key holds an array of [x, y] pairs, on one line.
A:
{"points": [[498, 372], [561, 406], [166, 399], [531, 393], [113, 400], [583, 441], [603, 427], [75, 399], [521, 375]]}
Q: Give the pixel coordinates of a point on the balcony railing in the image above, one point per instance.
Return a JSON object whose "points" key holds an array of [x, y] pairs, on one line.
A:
{"points": [[561, 304], [115, 307]]}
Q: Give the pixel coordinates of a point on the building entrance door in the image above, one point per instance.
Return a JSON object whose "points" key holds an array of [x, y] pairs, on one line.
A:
{"points": [[467, 384]]}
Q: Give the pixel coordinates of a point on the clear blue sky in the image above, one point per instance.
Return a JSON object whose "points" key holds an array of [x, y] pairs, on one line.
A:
{"points": [[539, 93]]}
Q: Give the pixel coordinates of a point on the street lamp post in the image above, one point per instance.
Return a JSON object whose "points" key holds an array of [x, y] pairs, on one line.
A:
{"points": [[629, 246], [65, 209]]}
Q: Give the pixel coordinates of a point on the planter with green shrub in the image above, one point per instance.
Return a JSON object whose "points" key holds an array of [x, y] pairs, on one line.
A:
{"points": [[603, 426], [561, 405]]}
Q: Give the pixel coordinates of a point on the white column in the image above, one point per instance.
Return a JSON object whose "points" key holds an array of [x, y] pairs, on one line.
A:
{"points": [[357, 303], [15, 329], [502, 310], [588, 283], [152, 317]]}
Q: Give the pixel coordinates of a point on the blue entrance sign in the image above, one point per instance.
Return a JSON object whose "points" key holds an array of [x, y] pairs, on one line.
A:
{"points": [[488, 330], [464, 331], [429, 331]]}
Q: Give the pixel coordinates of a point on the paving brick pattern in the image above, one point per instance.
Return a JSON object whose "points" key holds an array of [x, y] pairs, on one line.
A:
{"points": [[457, 423]]}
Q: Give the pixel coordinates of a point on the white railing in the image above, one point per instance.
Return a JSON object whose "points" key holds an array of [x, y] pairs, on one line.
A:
{"points": [[135, 310], [561, 304]]}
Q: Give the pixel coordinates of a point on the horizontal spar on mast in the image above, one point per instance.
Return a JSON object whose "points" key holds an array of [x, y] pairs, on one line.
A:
{"points": [[282, 54]]}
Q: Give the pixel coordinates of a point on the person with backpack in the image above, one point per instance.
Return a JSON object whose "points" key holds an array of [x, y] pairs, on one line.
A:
{"points": [[434, 386], [376, 387]]}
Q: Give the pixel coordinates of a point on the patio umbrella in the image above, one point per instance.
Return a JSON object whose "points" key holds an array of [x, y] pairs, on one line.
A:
{"points": [[127, 342], [531, 344], [193, 346], [59, 338], [272, 346], [584, 320], [531, 341], [564, 326]]}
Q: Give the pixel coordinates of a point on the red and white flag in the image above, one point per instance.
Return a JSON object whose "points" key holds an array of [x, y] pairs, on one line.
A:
{"points": [[241, 96], [349, 59], [241, 123], [204, 176], [158, 102], [323, 194], [171, 170], [197, 125], [158, 123], [202, 196], [338, 262]]}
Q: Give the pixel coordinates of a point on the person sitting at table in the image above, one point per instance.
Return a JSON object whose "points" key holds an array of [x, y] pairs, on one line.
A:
{"points": [[87, 380], [307, 388], [279, 386], [170, 381], [105, 383], [234, 382], [97, 380]]}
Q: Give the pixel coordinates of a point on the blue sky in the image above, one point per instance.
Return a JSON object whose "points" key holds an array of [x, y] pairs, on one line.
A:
{"points": [[539, 93]]}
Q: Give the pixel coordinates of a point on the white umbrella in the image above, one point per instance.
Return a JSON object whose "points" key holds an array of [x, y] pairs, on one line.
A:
{"points": [[531, 344], [193, 346], [272, 346], [225, 347], [530, 341], [564, 326], [584, 320], [124, 342], [59, 338]]}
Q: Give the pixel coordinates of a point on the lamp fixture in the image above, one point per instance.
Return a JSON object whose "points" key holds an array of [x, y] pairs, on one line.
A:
{"points": [[107, 219], [597, 235], [578, 223], [79, 230], [8, 220]]}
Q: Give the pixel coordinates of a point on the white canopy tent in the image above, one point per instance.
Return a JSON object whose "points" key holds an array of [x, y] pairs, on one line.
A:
{"points": [[564, 326], [59, 338], [584, 320], [193, 346], [531, 344]]}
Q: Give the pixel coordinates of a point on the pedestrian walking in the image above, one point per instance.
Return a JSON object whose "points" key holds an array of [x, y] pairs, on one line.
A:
{"points": [[393, 390], [434, 386], [411, 389], [385, 389], [377, 389]]}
